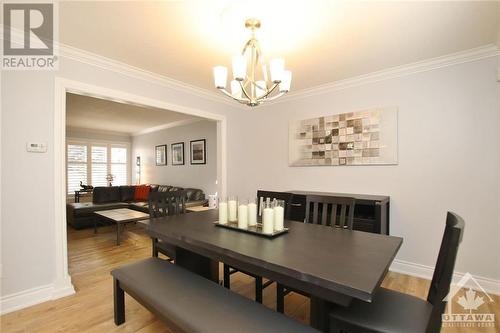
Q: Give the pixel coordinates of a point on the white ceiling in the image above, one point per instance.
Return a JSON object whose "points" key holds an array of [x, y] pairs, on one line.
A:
{"points": [[99, 114], [321, 41]]}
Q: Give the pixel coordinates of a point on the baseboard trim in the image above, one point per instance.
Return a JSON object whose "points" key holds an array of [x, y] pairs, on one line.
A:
{"points": [[422, 271], [33, 296]]}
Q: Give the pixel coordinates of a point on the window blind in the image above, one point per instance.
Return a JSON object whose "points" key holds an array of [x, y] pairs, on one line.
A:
{"points": [[77, 167], [90, 163]]}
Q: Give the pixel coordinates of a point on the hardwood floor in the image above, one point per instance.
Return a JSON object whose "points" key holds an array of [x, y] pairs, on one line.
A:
{"points": [[92, 257]]}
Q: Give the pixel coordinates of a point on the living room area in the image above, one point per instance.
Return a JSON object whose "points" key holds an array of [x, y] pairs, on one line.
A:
{"points": [[117, 153]]}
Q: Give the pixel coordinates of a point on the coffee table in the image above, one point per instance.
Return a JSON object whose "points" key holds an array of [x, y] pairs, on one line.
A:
{"points": [[121, 216]]}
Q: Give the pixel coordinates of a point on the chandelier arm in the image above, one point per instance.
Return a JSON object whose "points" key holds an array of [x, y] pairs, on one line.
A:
{"points": [[227, 93], [248, 43], [269, 92], [275, 97], [244, 91]]}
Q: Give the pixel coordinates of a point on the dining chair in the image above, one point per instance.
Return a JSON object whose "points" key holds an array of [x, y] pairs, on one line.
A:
{"points": [[337, 212], [391, 311], [260, 285], [163, 204], [330, 211]]}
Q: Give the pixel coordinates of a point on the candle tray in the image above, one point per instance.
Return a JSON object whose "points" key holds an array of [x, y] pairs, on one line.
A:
{"points": [[255, 230]]}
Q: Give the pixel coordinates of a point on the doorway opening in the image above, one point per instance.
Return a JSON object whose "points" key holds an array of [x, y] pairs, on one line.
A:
{"points": [[108, 143]]}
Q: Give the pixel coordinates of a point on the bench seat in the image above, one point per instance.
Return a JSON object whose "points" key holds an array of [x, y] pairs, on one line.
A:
{"points": [[190, 303]]}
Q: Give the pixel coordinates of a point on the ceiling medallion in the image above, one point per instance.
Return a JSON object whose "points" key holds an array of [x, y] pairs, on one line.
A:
{"points": [[250, 84]]}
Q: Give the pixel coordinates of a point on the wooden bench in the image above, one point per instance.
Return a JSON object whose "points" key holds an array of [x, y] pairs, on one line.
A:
{"points": [[190, 303]]}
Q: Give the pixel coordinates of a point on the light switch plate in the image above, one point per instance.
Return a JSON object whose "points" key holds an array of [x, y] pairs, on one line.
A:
{"points": [[36, 147]]}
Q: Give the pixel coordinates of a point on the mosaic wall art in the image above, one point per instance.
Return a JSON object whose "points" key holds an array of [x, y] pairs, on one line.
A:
{"points": [[354, 138]]}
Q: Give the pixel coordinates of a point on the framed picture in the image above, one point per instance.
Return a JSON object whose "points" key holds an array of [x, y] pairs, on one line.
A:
{"points": [[177, 151], [198, 152], [161, 155]]}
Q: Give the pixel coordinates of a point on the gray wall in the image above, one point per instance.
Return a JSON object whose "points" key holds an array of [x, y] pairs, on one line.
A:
{"points": [[448, 160], [187, 175], [28, 104]]}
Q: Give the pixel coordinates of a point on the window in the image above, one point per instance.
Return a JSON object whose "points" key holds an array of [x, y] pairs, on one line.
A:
{"points": [[90, 163], [99, 165], [77, 167], [119, 165]]}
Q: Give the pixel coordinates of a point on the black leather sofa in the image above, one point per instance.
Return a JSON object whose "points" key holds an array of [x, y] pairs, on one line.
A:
{"points": [[81, 215]]}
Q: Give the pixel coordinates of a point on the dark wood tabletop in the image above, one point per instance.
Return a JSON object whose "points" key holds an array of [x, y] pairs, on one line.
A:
{"points": [[322, 261]]}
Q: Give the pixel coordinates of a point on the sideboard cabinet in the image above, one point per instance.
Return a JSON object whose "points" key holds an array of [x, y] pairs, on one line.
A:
{"points": [[371, 212]]}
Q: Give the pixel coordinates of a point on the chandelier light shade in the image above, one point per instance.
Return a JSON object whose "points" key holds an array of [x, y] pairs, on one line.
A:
{"points": [[220, 77], [250, 84]]}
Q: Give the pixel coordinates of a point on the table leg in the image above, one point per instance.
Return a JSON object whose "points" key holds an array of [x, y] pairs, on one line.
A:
{"points": [[198, 264], [118, 227], [319, 310]]}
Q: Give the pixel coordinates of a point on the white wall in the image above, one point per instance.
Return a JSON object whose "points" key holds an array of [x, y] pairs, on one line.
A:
{"points": [[202, 176], [28, 244], [449, 158]]}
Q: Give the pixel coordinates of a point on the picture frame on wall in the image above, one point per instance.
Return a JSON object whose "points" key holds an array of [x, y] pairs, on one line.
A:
{"points": [[161, 155], [177, 152], [198, 151]]}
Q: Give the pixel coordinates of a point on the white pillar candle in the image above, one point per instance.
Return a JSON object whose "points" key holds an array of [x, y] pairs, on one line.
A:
{"points": [[232, 210], [222, 212], [268, 221], [243, 216], [279, 217], [252, 214]]}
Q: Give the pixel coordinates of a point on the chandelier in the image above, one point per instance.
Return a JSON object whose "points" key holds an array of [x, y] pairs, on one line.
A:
{"points": [[251, 84]]}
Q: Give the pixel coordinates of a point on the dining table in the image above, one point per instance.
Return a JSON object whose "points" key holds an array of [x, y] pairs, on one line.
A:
{"points": [[331, 265]]}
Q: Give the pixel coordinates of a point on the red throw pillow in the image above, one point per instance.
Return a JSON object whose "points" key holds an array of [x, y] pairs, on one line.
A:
{"points": [[141, 193]]}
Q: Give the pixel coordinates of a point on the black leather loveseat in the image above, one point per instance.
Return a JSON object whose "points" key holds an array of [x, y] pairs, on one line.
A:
{"points": [[81, 215]]}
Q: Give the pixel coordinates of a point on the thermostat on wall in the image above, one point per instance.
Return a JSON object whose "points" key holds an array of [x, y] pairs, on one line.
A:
{"points": [[36, 147]]}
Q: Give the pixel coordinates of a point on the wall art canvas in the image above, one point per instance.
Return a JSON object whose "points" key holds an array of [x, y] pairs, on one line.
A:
{"points": [[368, 137], [177, 151], [198, 151], [161, 155]]}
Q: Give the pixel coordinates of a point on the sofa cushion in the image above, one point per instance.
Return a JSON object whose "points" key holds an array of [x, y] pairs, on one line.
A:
{"points": [[164, 188], [141, 193], [175, 188], [194, 194], [104, 194], [154, 187], [86, 208], [127, 193], [140, 206]]}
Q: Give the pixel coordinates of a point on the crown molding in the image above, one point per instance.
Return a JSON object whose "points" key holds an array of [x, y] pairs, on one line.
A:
{"points": [[452, 59], [96, 60], [474, 54], [168, 125]]}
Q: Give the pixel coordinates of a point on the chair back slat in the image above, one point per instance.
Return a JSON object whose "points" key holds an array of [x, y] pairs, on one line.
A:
{"points": [[345, 204], [443, 272], [342, 215], [315, 212], [334, 214], [285, 196], [324, 215], [163, 204]]}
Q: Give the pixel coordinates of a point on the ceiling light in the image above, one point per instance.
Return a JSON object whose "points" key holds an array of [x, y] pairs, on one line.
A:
{"points": [[250, 84]]}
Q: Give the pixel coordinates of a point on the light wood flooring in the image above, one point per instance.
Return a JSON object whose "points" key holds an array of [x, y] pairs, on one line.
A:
{"points": [[92, 257]]}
